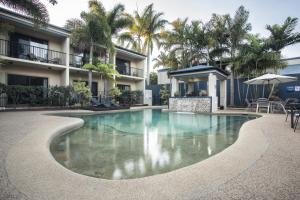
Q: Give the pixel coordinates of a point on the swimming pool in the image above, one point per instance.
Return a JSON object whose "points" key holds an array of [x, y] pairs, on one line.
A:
{"points": [[142, 143]]}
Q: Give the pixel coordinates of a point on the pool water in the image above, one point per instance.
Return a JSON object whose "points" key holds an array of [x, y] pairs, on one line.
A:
{"points": [[136, 144]]}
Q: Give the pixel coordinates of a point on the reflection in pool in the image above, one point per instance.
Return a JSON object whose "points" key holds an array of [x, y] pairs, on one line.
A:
{"points": [[143, 143]]}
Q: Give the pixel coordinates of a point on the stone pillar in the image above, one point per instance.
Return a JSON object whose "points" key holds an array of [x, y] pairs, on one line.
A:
{"points": [[223, 93], [66, 73], [212, 91], [212, 85], [174, 86], [190, 88]]}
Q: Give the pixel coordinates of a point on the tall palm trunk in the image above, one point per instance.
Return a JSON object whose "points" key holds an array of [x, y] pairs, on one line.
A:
{"points": [[91, 62], [148, 65]]}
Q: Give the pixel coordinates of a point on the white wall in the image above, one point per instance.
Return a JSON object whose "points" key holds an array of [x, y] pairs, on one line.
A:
{"points": [[162, 77], [54, 77]]}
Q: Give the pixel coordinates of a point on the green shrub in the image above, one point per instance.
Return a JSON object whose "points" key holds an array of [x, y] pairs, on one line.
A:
{"points": [[61, 96], [82, 92], [131, 97], [114, 93], [164, 95]]}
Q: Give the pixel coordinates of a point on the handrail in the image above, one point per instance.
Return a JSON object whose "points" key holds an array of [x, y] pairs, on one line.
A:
{"points": [[132, 71], [31, 52]]}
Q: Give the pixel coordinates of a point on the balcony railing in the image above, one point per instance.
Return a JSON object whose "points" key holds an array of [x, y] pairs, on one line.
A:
{"points": [[76, 61], [130, 71], [33, 53]]}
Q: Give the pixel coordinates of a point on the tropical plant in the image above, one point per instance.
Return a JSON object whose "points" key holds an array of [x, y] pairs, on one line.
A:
{"points": [[283, 35], [255, 57], [164, 95], [33, 8], [107, 72], [145, 32], [153, 78], [238, 29], [168, 59], [93, 32], [115, 93], [83, 93]]}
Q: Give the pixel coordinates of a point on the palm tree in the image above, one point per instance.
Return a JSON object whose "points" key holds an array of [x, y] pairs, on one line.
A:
{"points": [[155, 25], [238, 29], [255, 57], [35, 8], [107, 72], [167, 60], [179, 42], [283, 35], [219, 25], [117, 20], [96, 29], [145, 32], [73, 24], [90, 33]]}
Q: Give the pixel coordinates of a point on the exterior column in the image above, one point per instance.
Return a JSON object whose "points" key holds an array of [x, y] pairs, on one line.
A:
{"points": [[212, 91], [212, 85], [174, 86], [66, 73], [223, 93], [114, 66], [190, 88]]}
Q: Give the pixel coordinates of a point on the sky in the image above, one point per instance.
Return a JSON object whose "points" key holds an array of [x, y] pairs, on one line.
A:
{"points": [[262, 12]]}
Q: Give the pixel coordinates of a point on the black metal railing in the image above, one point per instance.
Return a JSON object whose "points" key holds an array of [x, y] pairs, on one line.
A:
{"points": [[33, 53], [130, 71], [76, 61]]}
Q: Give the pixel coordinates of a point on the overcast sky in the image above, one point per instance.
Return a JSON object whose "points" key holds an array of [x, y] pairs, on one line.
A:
{"points": [[262, 12]]}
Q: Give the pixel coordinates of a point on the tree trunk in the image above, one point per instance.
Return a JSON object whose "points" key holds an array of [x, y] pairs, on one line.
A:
{"points": [[148, 65], [90, 71], [239, 89], [232, 89]]}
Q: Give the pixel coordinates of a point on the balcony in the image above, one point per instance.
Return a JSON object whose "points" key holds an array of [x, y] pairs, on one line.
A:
{"points": [[76, 61], [32, 53], [130, 71]]}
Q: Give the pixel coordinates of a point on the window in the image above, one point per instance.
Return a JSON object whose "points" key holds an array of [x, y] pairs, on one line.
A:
{"points": [[123, 66], [27, 47], [123, 87], [13, 79]]}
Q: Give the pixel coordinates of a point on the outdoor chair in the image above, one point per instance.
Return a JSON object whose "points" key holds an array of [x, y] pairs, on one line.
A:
{"points": [[96, 103], [263, 103], [287, 105], [297, 116], [250, 105]]}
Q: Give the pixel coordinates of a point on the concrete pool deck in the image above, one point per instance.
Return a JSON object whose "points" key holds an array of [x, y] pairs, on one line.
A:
{"points": [[264, 163]]}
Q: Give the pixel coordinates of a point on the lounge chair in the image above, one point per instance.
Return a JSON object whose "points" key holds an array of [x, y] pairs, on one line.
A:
{"points": [[263, 103], [96, 103], [250, 105]]}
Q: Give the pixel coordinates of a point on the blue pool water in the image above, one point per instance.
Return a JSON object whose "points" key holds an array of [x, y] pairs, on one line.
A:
{"points": [[142, 143]]}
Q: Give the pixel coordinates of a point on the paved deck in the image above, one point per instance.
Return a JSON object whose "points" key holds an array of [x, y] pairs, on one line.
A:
{"points": [[264, 163]]}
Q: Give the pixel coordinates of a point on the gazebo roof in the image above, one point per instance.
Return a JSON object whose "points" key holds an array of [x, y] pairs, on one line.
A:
{"points": [[199, 71]]}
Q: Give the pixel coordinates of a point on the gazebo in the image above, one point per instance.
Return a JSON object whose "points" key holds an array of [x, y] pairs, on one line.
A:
{"points": [[195, 102]]}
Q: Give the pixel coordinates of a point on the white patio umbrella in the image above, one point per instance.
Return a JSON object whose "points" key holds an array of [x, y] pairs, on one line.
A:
{"points": [[270, 79]]}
